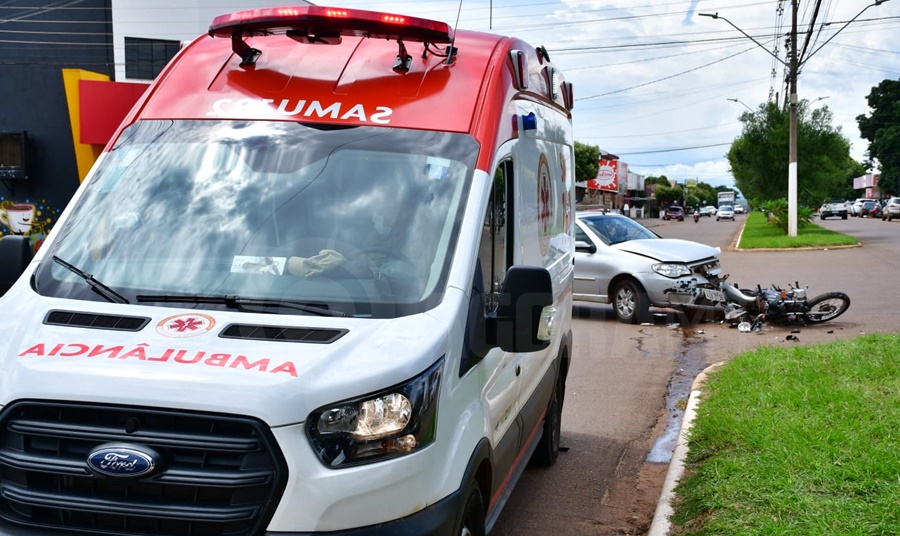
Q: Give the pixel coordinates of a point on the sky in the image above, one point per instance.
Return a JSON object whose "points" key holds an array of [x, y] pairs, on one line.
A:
{"points": [[654, 80]]}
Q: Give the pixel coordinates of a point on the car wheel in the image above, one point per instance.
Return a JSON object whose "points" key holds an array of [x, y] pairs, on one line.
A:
{"points": [[630, 302]]}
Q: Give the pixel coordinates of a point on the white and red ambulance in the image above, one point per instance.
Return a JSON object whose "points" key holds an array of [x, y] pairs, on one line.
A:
{"points": [[319, 282]]}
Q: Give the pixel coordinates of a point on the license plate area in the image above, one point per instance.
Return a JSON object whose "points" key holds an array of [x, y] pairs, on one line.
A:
{"points": [[713, 295]]}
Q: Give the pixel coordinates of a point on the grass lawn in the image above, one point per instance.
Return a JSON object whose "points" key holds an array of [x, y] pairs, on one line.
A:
{"points": [[759, 234], [800, 440]]}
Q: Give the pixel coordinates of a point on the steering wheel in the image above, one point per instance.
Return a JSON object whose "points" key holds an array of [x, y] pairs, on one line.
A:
{"points": [[384, 266]]}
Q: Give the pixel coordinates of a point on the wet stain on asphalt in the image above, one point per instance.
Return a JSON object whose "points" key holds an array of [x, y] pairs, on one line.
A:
{"points": [[691, 360]]}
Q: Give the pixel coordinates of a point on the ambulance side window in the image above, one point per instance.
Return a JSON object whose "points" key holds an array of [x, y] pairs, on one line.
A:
{"points": [[494, 251]]}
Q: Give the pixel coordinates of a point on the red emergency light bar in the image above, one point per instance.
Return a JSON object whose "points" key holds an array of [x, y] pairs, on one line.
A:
{"points": [[325, 22]]}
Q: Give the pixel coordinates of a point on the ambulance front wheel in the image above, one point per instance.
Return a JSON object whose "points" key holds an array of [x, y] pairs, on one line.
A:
{"points": [[472, 516], [547, 450]]}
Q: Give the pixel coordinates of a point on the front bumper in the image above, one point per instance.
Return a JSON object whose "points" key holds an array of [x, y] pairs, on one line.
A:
{"points": [[438, 519], [684, 292]]}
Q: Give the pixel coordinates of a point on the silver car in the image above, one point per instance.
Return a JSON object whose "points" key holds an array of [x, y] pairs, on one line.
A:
{"points": [[725, 212], [619, 261], [891, 209]]}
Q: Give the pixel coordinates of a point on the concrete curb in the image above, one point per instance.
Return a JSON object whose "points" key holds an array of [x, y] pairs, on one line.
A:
{"points": [[660, 524]]}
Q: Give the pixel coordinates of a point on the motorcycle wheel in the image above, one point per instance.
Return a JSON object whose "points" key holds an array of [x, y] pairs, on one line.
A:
{"points": [[826, 307]]}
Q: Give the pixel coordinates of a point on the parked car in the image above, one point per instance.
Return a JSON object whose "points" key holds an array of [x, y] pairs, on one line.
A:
{"points": [[621, 262], [856, 207], [834, 207], [674, 213], [707, 211], [891, 209], [870, 209], [725, 212]]}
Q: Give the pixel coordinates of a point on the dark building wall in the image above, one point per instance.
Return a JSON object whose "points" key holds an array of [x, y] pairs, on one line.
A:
{"points": [[36, 44]]}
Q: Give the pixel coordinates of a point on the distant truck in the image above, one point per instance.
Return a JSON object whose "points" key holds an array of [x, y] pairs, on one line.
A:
{"points": [[726, 198], [834, 207]]}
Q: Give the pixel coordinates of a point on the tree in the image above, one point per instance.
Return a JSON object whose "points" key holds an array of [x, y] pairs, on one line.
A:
{"points": [[759, 156], [882, 129], [666, 194], [704, 193], [587, 158]]}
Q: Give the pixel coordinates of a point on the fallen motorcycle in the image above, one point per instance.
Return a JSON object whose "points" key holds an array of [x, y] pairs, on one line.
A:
{"points": [[751, 308]]}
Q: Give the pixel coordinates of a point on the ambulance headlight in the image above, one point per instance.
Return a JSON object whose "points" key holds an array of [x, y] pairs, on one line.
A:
{"points": [[375, 427]]}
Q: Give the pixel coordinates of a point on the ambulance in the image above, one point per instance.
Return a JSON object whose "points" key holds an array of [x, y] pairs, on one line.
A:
{"points": [[318, 282]]}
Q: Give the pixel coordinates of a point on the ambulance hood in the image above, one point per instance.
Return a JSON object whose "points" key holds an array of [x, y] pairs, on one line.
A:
{"points": [[180, 358]]}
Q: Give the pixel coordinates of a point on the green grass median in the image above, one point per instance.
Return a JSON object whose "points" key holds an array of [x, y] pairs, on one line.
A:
{"points": [[799, 440], [758, 234]]}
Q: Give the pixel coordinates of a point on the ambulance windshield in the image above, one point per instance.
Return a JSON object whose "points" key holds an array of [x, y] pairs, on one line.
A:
{"points": [[361, 221]]}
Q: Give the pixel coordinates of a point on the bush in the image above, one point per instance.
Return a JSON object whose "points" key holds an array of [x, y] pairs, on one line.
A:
{"points": [[777, 214]]}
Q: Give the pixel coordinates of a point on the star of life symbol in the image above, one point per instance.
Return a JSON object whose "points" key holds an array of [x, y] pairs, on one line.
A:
{"points": [[185, 325]]}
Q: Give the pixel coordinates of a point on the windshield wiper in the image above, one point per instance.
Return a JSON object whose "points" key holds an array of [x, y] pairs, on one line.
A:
{"points": [[239, 303], [111, 295]]}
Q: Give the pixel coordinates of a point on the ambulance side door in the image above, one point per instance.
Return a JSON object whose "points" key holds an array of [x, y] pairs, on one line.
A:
{"points": [[502, 387]]}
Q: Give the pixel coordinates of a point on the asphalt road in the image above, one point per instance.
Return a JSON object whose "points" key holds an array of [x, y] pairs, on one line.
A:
{"points": [[628, 383]]}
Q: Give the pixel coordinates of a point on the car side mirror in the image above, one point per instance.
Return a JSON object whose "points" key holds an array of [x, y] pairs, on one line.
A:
{"points": [[16, 253], [517, 324], [584, 247]]}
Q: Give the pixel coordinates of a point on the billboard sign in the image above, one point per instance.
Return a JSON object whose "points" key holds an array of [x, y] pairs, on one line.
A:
{"points": [[607, 178]]}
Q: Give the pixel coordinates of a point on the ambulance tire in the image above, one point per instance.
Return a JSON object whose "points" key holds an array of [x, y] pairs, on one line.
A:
{"points": [[547, 450], [472, 521]]}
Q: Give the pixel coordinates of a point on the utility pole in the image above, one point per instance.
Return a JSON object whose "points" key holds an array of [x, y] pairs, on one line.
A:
{"points": [[792, 163]]}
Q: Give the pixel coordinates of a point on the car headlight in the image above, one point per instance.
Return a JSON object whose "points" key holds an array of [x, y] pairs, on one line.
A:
{"points": [[375, 427], [672, 270]]}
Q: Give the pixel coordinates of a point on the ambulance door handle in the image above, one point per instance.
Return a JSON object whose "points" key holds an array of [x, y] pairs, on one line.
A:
{"points": [[518, 369]]}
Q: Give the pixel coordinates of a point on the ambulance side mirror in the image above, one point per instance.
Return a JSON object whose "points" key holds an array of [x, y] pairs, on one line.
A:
{"points": [[516, 327], [16, 254]]}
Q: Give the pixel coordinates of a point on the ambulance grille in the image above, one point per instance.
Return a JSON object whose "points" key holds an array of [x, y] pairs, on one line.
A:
{"points": [[95, 321], [216, 475], [276, 333]]}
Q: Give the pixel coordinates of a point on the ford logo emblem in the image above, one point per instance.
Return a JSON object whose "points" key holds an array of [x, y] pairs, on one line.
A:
{"points": [[122, 460]]}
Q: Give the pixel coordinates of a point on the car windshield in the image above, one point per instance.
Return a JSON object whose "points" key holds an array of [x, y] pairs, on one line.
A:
{"points": [[359, 220], [612, 229]]}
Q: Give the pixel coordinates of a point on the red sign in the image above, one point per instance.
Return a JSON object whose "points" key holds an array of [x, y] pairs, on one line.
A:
{"points": [[607, 178]]}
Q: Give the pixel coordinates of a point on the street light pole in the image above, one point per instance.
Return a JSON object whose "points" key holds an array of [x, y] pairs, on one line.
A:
{"points": [[742, 102], [792, 163]]}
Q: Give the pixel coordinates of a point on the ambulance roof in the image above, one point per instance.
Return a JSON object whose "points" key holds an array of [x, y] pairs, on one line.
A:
{"points": [[251, 68]]}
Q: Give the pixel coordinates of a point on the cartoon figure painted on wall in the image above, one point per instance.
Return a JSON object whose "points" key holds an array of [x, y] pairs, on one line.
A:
{"points": [[26, 218]]}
